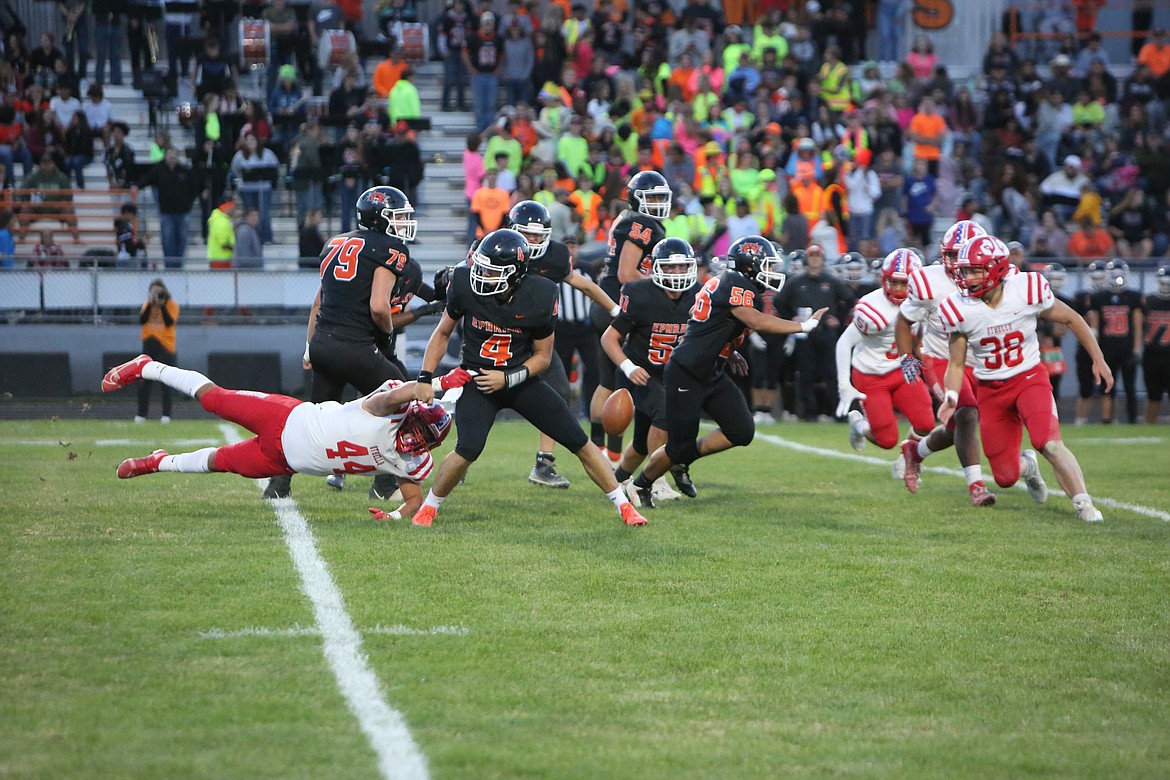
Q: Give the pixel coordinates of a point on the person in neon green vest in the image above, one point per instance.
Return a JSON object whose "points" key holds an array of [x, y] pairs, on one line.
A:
{"points": [[403, 102], [766, 36], [732, 49], [502, 141]]}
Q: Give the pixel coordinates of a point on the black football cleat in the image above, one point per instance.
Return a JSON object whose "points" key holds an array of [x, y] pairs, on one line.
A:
{"points": [[278, 487], [545, 473], [384, 488], [682, 480]]}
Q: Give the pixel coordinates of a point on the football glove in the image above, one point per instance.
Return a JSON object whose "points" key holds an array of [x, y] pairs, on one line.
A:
{"points": [[911, 368], [379, 514], [757, 341], [455, 378], [434, 307], [440, 282], [848, 394]]}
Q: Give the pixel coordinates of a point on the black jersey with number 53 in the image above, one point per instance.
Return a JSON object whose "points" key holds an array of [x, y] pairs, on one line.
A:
{"points": [[348, 262], [499, 334], [634, 226], [713, 332], [652, 323]]}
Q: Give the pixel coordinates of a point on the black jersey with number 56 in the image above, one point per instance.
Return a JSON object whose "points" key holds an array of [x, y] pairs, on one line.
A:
{"points": [[652, 323], [713, 332], [634, 226], [348, 262], [499, 334]]}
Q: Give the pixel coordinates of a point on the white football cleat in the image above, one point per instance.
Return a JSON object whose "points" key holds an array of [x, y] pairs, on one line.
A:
{"points": [[663, 491], [1036, 487], [1087, 512], [336, 481], [856, 435]]}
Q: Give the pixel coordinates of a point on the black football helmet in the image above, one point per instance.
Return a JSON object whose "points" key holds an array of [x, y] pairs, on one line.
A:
{"points": [[650, 194], [674, 266], [756, 258], [797, 260], [387, 210], [531, 220], [499, 262], [1096, 273], [853, 267], [1056, 276], [1116, 274]]}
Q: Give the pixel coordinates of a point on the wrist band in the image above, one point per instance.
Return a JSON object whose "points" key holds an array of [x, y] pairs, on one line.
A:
{"points": [[809, 325], [516, 376], [306, 356], [425, 377], [628, 367], [615, 311], [951, 396]]}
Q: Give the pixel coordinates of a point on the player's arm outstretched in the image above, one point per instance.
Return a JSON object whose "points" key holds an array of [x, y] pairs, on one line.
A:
{"points": [[849, 339], [383, 403], [953, 382], [766, 323], [611, 342], [436, 348], [1064, 314], [578, 281], [490, 381]]}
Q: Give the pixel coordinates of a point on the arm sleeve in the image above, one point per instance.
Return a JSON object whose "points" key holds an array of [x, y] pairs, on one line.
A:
{"points": [[849, 339]]}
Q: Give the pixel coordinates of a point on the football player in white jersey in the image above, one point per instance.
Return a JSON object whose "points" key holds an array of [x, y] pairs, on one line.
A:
{"points": [[867, 345], [385, 432], [927, 356], [994, 317]]}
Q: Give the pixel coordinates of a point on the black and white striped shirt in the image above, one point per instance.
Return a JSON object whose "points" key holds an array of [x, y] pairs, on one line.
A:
{"points": [[574, 304]]}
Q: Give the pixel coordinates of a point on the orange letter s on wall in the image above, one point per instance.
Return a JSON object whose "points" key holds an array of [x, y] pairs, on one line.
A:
{"points": [[933, 14]]}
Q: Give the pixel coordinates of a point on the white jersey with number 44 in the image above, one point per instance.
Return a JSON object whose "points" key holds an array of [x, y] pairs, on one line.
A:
{"points": [[1003, 340], [928, 288], [333, 438], [874, 317]]}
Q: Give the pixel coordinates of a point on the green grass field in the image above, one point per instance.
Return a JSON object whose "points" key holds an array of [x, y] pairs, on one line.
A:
{"points": [[805, 617]]}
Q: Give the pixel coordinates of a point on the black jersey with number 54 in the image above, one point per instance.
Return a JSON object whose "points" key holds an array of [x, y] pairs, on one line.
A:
{"points": [[634, 226], [348, 262], [652, 323], [499, 334], [713, 332]]}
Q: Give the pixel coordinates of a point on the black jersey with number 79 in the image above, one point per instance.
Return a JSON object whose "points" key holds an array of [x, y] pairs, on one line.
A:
{"points": [[713, 332], [348, 262], [498, 334]]}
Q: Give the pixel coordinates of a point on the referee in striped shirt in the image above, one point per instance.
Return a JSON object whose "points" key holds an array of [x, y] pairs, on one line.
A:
{"points": [[574, 333]]}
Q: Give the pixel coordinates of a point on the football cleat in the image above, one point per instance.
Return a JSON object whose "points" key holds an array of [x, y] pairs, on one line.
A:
{"points": [[1085, 510], [120, 376], [856, 434], [639, 496], [631, 516], [663, 492], [682, 479], [424, 516], [336, 481], [278, 487], [1036, 487], [385, 488], [545, 473], [614, 457], [910, 455], [899, 469], [136, 467], [980, 495]]}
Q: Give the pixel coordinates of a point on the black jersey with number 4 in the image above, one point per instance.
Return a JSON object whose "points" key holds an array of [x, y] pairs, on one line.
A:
{"points": [[499, 334], [713, 332], [1115, 312], [1157, 325], [633, 226], [348, 262], [652, 323]]}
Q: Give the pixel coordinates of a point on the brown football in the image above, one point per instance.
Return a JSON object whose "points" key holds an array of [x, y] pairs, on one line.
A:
{"points": [[617, 412]]}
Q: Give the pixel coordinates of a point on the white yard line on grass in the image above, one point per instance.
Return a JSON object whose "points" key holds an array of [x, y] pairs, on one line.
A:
{"points": [[1147, 511], [399, 757], [103, 442], [251, 631], [1121, 441]]}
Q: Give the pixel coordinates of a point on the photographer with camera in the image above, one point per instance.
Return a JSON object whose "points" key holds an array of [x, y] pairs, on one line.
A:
{"points": [[158, 317]]}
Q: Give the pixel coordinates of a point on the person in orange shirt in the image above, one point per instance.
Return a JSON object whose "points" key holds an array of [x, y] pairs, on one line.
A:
{"points": [[1156, 54], [489, 204], [681, 76], [926, 131], [1090, 242], [388, 72], [158, 317]]}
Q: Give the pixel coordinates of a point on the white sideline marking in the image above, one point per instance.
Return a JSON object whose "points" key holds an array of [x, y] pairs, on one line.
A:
{"points": [[251, 631], [399, 758], [1129, 440], [792, 445], [102, 442], [175, 442]]}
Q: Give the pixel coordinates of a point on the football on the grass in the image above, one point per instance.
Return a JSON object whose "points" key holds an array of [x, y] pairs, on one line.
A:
{"points": [[617, 412]]}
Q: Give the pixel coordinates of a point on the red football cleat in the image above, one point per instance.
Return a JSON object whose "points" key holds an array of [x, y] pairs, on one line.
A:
{"points": [[136, 467], [630, 516], [980, 495], [424, 516], [913, 462], [614, 457], [122, 375]]}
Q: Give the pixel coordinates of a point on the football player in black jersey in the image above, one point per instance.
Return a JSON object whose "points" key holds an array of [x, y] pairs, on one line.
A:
{"points": [[550, 259], [1086, 382], [363, 273], [508, 318], [1156, 358], [653, 318], [696, 380], [1115, 314], [631, 237]]}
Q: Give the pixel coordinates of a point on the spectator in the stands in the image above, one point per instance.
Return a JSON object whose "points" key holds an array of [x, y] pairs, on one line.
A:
{"points": [[403, 103], [349, 175], [1050, 235], [1155, 54], [107, 36], [1062, 189], [249, 251], [519, 60], [1130, 223], [388, 72], [48, 252], [213, 72], [119, 156], [920, 189], [348, 100], [312, 242], [306, 172], [78, 148], [454, 27], [7, 242], [1090, 243], [484, 56], [287, 107], [256, 192], [175, 188], [282, 32], [255, 116], [42, 61], [12, 145], [53, 189], [404, 161], [42, 134], [221, 234], [64, 104], [489, 204], [99, 114]]}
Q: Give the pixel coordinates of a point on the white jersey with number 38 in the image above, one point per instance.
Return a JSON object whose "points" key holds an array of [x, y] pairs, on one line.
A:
{"points": [[333, 438], [874, 317], [1003, 340]]}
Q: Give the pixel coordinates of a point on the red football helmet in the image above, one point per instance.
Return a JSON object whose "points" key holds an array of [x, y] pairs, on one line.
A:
{"points": [[987, 253], [957, 234], [423, 428], [897, 267]]}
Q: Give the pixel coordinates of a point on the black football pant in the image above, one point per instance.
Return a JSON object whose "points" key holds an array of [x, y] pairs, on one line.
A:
{"points": [[1123, 363], [534, 399], [582, 339], [1156, 372], [687, 397], [816, 364]]}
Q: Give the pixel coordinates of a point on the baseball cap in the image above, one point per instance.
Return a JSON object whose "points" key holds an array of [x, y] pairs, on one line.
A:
{"points": [[1072, 161], [806, 144]]}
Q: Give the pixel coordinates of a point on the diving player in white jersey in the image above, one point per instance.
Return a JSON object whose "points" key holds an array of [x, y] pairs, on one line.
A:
{"points": [[994, 317], [929, 287], [385, 432], [867, 346]]}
